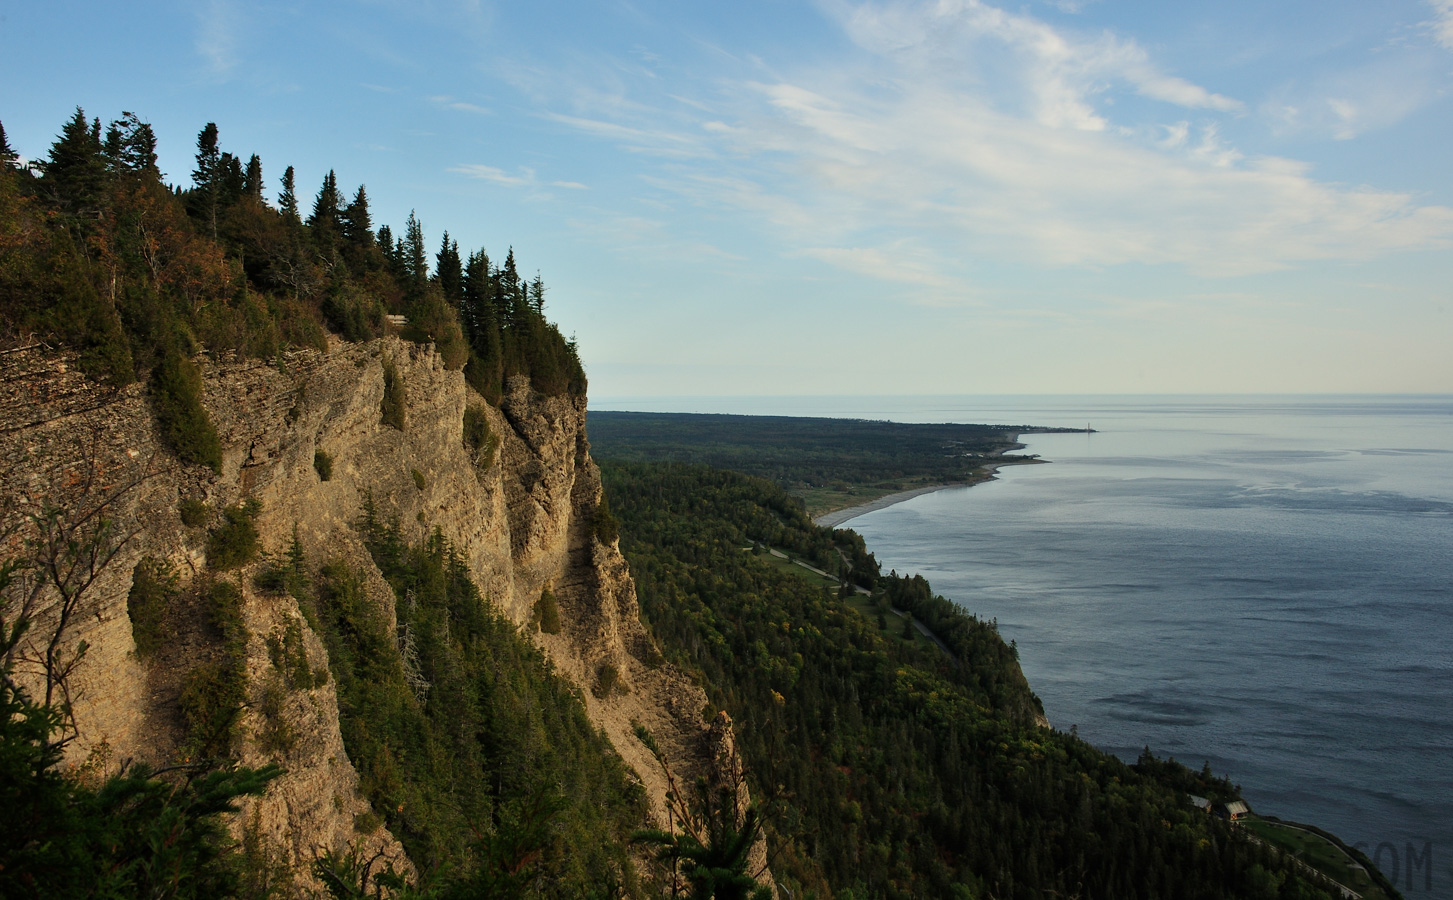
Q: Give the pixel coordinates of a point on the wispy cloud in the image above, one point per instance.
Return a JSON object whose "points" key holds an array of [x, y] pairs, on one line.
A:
{"points": [[217, 35], [898, 263], [525, 177], [1378, 93], [522, 177], [1061, 73], [448, 102], [976, 133], [1442, 23]]}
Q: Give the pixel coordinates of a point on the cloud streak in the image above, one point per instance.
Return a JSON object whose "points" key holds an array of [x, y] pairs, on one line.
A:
{"points": [[852, 162], [217, 36], [1442, 23]]}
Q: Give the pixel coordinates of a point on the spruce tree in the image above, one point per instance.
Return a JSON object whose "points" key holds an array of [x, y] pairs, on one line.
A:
{"points": [[252, 180], [357, 221], [233, 182], [510, 296], [385, 240], [324, 220], [481, 322], [414, 258], [209, 158], [287, 201], [207, 176], [131, 146], [7, 155], [75, 174], [449, 271]]}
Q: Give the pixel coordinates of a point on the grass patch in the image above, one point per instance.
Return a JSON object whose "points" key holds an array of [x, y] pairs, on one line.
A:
{"points": [[793, 568], [1319, 853]]}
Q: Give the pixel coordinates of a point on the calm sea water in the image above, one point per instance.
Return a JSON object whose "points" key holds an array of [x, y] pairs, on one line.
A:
{"points": [[1262, 583]]}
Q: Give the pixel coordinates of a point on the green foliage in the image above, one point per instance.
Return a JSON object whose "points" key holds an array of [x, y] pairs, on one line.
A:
{"points": [[233, 542], [418, 477], [713, 859], [837, 462], [262, 870], [276, 735], [100, 255], [288, 575], [478, 439], [153, 588], [193, 513], [289, 656], [393, 406], [603, 523], [353, 313], [176, 398], [547, 613], [607, 680], [137, 834], [495, 779], [323, 464], [213, 693], [432, 320], [897, 770]]}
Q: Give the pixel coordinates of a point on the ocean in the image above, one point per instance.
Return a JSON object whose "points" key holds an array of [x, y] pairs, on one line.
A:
{"points": [[1261, 583]]}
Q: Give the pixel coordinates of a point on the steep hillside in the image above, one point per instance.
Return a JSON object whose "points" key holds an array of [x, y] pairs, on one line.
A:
{"points": [[517, 500]]}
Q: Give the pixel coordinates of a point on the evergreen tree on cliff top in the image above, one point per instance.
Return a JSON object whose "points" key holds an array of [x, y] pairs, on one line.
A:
{"points": [[74, 176]]}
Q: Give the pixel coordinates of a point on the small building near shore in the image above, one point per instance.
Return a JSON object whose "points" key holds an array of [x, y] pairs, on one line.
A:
{"points": [[1201, 803], [1234, 810]]}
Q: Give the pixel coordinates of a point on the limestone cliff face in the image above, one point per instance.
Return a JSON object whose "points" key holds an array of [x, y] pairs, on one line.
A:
{"points": [[523, 518]]}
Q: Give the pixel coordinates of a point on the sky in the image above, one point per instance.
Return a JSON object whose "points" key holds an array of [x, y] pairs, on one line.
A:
{"points": [[894, 197]]}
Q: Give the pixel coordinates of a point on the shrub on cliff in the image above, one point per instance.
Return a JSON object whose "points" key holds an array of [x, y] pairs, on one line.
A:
{"points": [[392, 408], [176, 397], [323, 464], [213, 692], [135, 834], [603, 523], [153, 587], [477, 437], [547, 613], [233, 543]]}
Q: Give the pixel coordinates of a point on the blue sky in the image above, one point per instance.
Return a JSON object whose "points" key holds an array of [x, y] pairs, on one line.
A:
{"points": [[772, 197]]}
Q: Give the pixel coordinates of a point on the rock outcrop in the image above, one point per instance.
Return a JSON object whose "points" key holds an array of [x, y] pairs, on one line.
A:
{"points": [[521, 511]]}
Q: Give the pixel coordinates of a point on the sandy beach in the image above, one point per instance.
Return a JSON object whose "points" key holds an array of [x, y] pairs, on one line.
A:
{"points": [[838, 516]]}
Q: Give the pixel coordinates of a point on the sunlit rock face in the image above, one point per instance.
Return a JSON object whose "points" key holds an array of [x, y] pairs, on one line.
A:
{"points": [[521, 512]]}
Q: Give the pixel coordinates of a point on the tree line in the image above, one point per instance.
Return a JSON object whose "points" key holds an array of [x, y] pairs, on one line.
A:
{"points": [[135, 276]]}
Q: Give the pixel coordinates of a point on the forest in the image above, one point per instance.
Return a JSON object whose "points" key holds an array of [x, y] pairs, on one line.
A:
{"points": [[886, 767], [828, 463]]}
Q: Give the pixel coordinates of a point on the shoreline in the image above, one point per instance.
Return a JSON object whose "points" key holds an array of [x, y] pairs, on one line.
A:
{"points": [[834, 518]]}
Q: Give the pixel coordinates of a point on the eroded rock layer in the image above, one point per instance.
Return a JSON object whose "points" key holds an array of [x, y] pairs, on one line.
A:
{"points": [[521, 511]]}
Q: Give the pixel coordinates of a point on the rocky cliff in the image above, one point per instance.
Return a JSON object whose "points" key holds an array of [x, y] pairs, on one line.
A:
{"points": [[521, 510]]}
